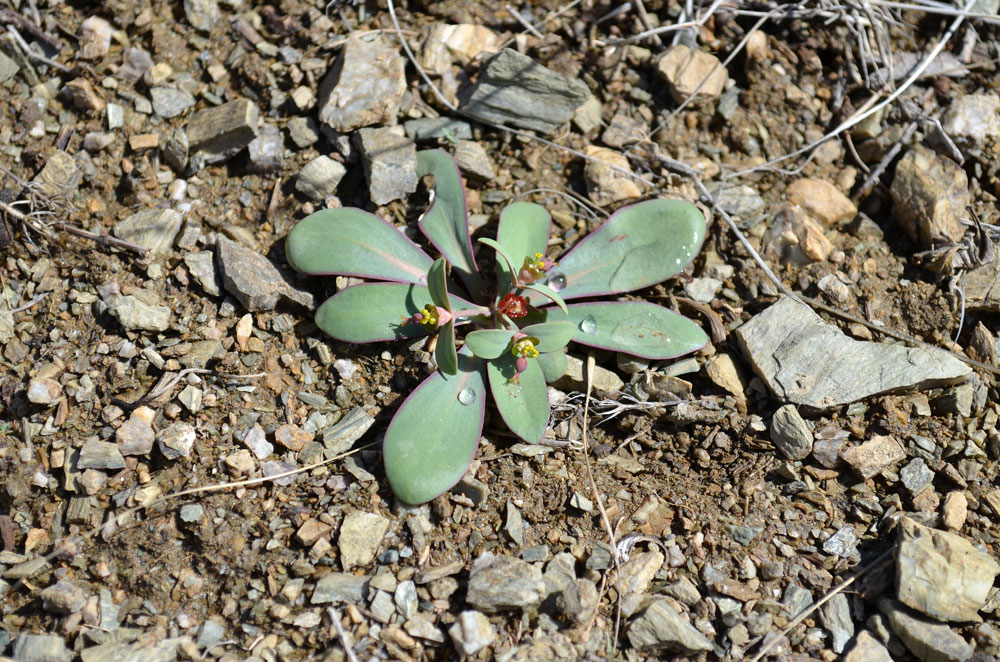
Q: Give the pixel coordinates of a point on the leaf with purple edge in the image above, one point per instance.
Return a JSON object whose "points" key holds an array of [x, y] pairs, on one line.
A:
{"points": [[435, 433], [523, 405], [640, 245], [446, 222], [549, 294], [350, 242]]}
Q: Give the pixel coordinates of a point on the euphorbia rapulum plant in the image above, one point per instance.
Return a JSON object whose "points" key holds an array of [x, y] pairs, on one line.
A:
{"points": [[519, 323]]}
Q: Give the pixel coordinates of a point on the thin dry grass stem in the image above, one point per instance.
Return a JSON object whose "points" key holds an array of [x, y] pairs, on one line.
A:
{"points": [[595, 212], [32, 54], [605, 520], [673, 27], [524, 23], [646, 23], [345, 638], [883, 560]]}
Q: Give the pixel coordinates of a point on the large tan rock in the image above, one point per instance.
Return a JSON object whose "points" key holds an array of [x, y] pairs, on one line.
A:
{"points": [[684, 70], [930, 193]]}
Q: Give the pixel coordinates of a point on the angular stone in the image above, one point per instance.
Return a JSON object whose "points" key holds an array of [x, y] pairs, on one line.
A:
{"points": [[339, 587], [201, 265], [821, 200], [257, 443], [8, 68], [217, 134], [791, 434], [176, 440], [941, 574], [806, 361], [63, 597], [954, 510], [202, 14], [867, 648], [303, 131], [44, 391], [83, 95], [266, 149], [606, 184], [252, 279], [497, 583], [135, 437], [436, 128], [100, 455], [795, 237], [134, 314], [836, 616], [930, 193], [41, 648], [361, 534], [473, 160], [575, 380], [170, 102], [971, 119], [446, 44], [514, 89], [390, 164], [928, 640], [662, 627], [60, 177], [684, 70], [319, 178], [873, 456], [472, 632], [916, 476], [154, 229], [364, 86]]}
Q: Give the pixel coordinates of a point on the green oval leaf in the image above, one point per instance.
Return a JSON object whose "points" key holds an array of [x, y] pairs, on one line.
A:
{"points": [[373, 312], [640, 245], [444, 353], [551, 336], [524, 407], [553, 364], [523, 231], [437, 283], [488, 343], [435, 433], [350, 242], [446, 222], [633, 327]]}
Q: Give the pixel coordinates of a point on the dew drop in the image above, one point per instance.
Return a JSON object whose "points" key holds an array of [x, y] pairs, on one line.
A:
{"points": [[588, 324], [467, 396], [556, 280]]}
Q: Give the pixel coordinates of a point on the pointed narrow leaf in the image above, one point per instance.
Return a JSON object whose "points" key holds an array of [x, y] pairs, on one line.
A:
{"points": [[504, 264], [523, 231], [437, 283], [551, 335], [549, 293], [444, 353], [350, 242], [524, 407], [488, 343], [633, 327], [435, 432], [446, 223], [553, 365], [640, 245], [373, 312]]}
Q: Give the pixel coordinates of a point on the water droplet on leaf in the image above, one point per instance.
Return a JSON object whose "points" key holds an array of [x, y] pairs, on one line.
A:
{"points": [[467, 396], [556, 280], [588, 324]]}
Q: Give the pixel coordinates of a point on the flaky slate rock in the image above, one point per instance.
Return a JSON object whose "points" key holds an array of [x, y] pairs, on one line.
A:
{"points": [[515, 90], [390, 163], [662, 627], [867, 648], [364, 86], [340, 587], [153, 229], [252, 279], [63, 597], [497, 583], [217, 134], [791, 434], [941, 574], [809, 362], [928, 640], [41, 648]]}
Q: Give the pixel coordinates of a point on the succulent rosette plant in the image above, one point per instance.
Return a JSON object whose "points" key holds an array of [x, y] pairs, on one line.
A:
{"points": [[519, 323]]}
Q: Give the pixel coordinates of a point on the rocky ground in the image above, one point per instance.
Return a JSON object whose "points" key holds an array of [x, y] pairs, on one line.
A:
{"points": [[176, 433]]}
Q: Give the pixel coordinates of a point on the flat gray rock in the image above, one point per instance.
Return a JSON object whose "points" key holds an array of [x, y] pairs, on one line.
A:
{"points": [[153, 229], [360, 537], [513, 89], [170, 102], [252, 279], [63, 597], [941, 574], [100, 455], [662, 627], [790, 433], [867, 648], [472, 632], [340, 587], [319, 178], [202, 14], [928, 640], [41, 648], [135, 314], [217, 134], [202, 267], [836, 617], [8, 68], [809, 362], [497, 583]]}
